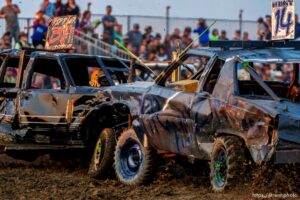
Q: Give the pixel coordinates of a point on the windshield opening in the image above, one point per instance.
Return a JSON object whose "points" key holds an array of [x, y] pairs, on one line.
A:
{"points": [[281, 78]]}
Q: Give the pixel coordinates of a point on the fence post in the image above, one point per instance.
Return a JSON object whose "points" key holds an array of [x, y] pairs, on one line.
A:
{"points": [[28, 30], [241, 21], [128, 23], [167, 19]]}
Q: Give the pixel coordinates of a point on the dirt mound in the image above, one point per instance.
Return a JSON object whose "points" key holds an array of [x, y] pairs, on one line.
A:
{"points": [[26, 180]]}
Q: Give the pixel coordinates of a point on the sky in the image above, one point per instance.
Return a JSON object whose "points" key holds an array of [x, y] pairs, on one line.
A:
{"points": [[216, 9]]}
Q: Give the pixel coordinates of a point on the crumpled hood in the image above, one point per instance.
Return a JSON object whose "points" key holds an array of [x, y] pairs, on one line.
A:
{"points": [[138, 87], [288, 115]]}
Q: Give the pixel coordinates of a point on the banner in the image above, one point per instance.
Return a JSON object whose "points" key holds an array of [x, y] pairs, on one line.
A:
{"points": [[61, 33], [283, 19]]}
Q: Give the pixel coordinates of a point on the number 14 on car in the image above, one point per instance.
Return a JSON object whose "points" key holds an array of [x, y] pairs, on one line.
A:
{"points": [[283, 16]]}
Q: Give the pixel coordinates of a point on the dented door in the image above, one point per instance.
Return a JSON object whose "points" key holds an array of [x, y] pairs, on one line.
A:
{"points": [[44, 108], [166, 119]]}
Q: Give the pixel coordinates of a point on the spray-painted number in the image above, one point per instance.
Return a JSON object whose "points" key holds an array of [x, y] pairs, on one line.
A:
{"points": [[280, 16]]}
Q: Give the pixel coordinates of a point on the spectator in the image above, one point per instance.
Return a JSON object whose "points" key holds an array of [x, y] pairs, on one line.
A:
{"points": [[297, 28], [72, 8], [118, 35], [135, 38], [37, 17], [23, 41], [147, 35], [109, 23], [48, 8], [60, 8], [186, 37], [237, 35], [176, 34], [106, 36], [152, 56], [223, 35], [10, 76], [215, 35], [143, 52], [168, 46], [85, 23], [246, 36], [7, 45], [162, 56], [6, 38], [204, 39], [10, 13], [39, 33], [262, 29], [268, 25]]}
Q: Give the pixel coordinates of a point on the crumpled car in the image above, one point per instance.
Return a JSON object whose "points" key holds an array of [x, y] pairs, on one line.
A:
{"points": [[241, 105]]}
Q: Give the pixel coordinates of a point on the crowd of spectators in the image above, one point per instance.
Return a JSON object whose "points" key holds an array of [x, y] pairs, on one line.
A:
{"points": [[145, 43]]}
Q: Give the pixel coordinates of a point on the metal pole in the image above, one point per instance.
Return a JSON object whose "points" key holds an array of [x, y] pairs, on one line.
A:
{"points": [[28, 30], [241, 21], [128, 23], [168, 19]]}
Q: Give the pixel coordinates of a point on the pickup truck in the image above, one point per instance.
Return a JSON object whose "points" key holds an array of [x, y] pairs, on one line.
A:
{"points": [[53, 102]]}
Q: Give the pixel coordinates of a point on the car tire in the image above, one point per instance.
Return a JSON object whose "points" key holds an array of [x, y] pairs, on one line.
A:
{"points": [[134, 163], [227, 163], [102, 159]]}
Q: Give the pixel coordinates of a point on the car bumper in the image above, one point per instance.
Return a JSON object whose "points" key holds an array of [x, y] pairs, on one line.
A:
{"points": [[287, 156]]}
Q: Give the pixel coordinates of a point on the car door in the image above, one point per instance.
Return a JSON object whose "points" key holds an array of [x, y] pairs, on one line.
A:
{"points": [[165, 117], [203, 105], [45, 97], [8, 91]]}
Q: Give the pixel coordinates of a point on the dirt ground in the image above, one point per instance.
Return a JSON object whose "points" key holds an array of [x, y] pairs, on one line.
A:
{"points": [[23, 180]]}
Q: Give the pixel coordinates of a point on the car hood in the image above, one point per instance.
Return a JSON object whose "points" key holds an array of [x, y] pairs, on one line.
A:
{"points": [[288, 114], [139, 87]]}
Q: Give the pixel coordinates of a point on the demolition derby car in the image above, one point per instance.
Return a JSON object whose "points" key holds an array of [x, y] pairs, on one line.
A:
{"points": [[242, 104], [53, 101]]}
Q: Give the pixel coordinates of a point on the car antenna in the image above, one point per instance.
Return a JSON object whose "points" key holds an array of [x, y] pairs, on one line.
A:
{"points": [[132, 55]]}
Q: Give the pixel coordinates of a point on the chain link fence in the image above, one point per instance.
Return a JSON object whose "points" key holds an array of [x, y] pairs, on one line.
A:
{"points": [[159, 24], [162, 26]]}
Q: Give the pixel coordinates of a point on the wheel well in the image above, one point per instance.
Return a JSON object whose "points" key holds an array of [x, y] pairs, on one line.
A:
{"points": [[247, 152], [116, 116]]}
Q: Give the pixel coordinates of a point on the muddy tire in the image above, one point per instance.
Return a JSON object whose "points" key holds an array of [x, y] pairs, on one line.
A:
{"points": [[103, 155], [227, 163], [134, 163]]}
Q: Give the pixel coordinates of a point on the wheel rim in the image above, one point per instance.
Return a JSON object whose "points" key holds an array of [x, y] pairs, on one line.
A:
{"points": [[131, 160], [220, 167], [98, 153]]}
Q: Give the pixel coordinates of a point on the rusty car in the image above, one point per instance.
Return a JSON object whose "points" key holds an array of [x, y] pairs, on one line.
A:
{"points": [[53, 102], [241, 105]]}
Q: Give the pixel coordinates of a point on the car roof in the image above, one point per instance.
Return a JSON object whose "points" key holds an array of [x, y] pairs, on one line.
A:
{"points": [[255, 55], [259, 51]]}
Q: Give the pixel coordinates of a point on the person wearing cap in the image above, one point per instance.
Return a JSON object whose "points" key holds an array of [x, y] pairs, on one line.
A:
{"points": [[109, 22], [23, 41], [135, 38], [204, 39]]}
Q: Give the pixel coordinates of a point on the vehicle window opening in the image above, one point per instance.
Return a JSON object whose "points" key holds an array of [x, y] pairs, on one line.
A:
{"points": [[47, 74], [188, 68], [282, 78], [212, 79], [87, 72], [11, 73]]}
